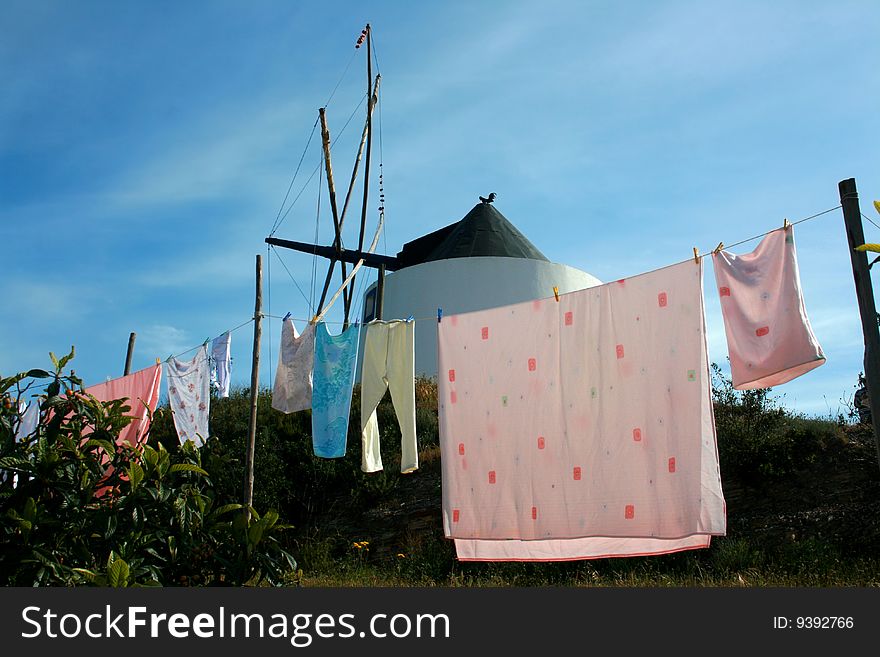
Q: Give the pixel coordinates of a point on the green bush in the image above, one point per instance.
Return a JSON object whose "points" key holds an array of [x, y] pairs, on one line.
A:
{"points": [[287, 474], [85, 510], [759, 439]]}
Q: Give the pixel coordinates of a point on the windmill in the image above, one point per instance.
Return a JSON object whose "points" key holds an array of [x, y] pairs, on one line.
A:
{"points": [[478, 262]]}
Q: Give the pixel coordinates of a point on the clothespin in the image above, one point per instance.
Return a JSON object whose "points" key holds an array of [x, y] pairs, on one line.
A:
{"points": [[439, 315], [158, 361], [410, 318], [718, 248], [696, 255], [556, 293], [785, 224], [284, 319]]}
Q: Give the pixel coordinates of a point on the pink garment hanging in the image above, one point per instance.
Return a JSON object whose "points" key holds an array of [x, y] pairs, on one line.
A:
{"points": [[586, 418], [769, 337], [140, 388]]}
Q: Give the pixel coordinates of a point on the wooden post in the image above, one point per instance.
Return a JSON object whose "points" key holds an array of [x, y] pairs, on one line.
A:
{"points": [[852, 217], [129, 354], [380, 292], [255, 390]]}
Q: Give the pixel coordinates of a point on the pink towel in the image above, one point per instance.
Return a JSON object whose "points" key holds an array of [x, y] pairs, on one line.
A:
{"points": [[584, 418], [140, 388], [769, 337], [570, 549]]}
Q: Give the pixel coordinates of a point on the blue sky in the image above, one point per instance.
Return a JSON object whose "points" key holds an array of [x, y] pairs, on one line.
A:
{"points": [[145, 149]]}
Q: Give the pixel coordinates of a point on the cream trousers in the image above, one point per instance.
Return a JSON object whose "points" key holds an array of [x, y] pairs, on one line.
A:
{"points": [[389, 362]]}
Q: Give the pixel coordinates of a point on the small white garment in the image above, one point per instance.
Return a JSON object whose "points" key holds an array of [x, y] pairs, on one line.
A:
{"points": [[293, 377], [30, 418], [189, 395], [221, 364], [389, 363], [769, 337]]}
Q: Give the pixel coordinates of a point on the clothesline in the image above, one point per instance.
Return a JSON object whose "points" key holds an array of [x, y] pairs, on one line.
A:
{"points": [[216, 336], [791, 223], [703, 255]]}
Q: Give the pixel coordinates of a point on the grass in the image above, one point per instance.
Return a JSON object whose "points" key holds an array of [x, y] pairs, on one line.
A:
{"points": [[730, 562]]}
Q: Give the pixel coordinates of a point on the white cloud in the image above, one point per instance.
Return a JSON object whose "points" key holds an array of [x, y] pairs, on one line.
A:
{"points": [[163, 339]]}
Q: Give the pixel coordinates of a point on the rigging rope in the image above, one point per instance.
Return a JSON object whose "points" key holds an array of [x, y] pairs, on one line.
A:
{"points": [[275, 251], [317, 168], [292, 180]]}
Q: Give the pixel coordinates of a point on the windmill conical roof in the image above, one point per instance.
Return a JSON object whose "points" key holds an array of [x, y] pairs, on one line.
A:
{"points": [[483, 231]]}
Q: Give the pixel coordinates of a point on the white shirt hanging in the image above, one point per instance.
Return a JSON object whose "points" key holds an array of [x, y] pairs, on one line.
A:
{"points": [[189, 396]]}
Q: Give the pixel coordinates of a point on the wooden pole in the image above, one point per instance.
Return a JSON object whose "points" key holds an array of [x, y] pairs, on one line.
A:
{"points": [[337, 242], [380, 292], [855, 236], [129, 353], [255, 389]]}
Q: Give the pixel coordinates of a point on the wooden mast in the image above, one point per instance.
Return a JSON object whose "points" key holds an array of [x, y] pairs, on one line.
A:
{"points": [[336, 252], [337, 224], [360, 152], [369, 149]]}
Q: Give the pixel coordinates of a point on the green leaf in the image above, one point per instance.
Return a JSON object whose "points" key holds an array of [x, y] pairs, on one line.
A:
{"points": [[227, 508], [255, 534], [38, 374], [106, 445], [111, 526], [187, 467], [16, 463], [135, 474], [117, 573], [150, 456], [66, 359], [30, 509]]}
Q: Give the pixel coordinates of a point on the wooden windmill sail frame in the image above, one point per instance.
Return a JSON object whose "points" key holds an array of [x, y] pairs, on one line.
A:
{"points": [[336, 253]]}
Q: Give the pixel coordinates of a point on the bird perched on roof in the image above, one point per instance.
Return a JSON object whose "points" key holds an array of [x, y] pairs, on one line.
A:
{"points": [[488, 200]]}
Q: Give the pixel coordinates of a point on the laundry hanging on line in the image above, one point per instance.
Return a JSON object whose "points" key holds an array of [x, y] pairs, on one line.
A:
{"points": [[220, 364], [587, 418], [189, 396], [334, 370], [292, 390], [769, 337], [142, 389], [389, 363]]}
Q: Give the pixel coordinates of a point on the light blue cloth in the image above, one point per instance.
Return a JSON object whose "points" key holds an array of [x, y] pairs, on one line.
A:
{"points": [[332, 383]]}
